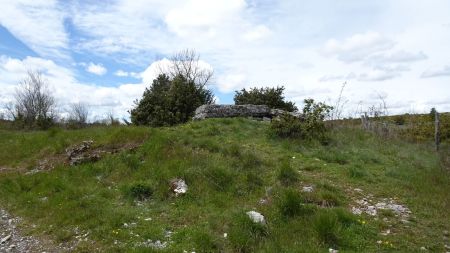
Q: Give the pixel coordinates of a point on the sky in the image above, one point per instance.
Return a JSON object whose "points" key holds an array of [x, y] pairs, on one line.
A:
{"points": [[105, 53]]}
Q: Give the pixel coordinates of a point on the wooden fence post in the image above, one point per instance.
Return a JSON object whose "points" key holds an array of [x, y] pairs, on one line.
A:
{"points": [[436, 130]]}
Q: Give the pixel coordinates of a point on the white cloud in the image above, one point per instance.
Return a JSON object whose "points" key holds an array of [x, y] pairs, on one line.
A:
{"points": [[445, 71], [358, 47], [37, 23], [66, 88], [96, 69], [259, 32], [203, 16], [121, 73]]}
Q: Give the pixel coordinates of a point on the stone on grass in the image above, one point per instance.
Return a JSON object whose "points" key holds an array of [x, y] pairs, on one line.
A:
{"points": [[308, 189], [256, 217], [178, 186]]}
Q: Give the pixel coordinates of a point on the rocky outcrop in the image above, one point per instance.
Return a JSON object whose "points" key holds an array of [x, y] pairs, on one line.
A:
{"points": [[231, 111]]}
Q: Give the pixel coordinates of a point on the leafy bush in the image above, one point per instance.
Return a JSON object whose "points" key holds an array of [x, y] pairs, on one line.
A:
{"points": [[272, 97], [310, 126], [170, 101]]}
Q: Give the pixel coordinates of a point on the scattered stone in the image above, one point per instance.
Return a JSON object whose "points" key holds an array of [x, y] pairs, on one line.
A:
{"points": [[256, 217], [385, 233], [331, 250], [423, 248], [358, 190], [308, 189], [150, 244], [178, 186], [5, 239], [79, 154], [225, 235], [365, 206], [263, 201]]}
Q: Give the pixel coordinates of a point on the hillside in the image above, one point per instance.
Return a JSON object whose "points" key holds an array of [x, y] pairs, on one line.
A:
{"points": [[306, 191]]}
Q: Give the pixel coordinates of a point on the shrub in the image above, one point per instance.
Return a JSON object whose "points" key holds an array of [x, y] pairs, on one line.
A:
{"points": [[272, 97], [310, 126], [169, 101], [138, 191], [399, 120]]}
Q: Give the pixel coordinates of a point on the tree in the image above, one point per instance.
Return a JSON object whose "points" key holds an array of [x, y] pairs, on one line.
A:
{"points": [[433, 114], [34, 104], [170, 101], [272, 97], [78, 114], [187, 63]]}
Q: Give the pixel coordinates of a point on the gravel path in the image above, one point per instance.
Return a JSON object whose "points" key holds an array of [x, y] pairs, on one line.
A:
{"points": [[12, 240]]}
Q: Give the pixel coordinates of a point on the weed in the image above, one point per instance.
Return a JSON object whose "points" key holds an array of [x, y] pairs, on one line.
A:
{"points": [[286, 174], [326, 225], [246, 235], [291, 204]]}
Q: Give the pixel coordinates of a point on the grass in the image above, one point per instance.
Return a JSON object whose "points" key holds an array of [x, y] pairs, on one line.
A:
{"points": [[228, 165]]}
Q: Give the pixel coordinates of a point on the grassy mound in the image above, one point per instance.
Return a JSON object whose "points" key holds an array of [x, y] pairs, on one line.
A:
{"points": [[124, 202]]}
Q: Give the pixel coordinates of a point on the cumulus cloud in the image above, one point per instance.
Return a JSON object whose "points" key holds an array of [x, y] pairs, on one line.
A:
{"points": [[96, 69], [445, 71]]}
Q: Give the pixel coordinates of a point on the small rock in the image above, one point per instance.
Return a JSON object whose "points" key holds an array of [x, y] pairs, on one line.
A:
{"points": [[307, 189], [423, 248], [5, 239], [256, 217], [178, 186], [331, 250], [225, 235], [446, 233]]}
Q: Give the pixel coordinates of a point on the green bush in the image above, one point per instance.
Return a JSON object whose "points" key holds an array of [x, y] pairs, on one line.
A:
{"points": [[310, 126], [170, 101], [272, 97]]}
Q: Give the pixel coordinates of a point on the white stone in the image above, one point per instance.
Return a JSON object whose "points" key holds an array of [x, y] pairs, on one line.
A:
{"points": [[256, 217], [307, 189]]}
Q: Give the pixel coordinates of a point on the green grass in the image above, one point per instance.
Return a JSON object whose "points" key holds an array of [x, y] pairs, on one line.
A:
{"points": [[228, 165]]}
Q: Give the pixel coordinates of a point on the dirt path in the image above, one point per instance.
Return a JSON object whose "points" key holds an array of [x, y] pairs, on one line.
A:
{"points": [[12, 240]]}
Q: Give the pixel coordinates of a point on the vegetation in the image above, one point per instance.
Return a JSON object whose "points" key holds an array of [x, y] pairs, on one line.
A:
{"points": [[169, 102], [34, 104], [272, 97], [229, 165], [310, 126]]}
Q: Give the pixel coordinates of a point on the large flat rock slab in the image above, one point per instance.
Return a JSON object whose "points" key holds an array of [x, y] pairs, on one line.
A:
{"points": [[231, 111]]}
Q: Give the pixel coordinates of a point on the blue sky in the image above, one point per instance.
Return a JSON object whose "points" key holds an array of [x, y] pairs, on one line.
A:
{"points": [[104, 53]]}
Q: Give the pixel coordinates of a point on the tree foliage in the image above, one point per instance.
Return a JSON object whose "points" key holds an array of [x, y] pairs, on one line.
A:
{"points": [[272, 97], [170, 101]]}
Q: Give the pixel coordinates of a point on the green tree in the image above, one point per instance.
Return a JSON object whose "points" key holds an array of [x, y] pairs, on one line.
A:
{"points": [[169, 102], [272, 97]]}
